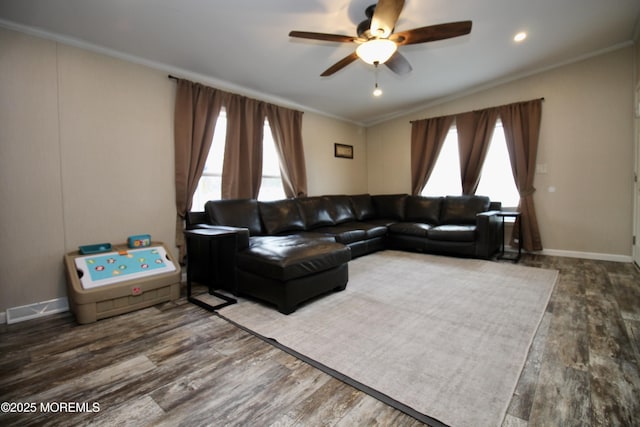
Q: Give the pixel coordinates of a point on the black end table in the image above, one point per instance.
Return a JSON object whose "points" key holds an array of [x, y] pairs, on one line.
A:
{"points": [[517, 219], [208, 252]]}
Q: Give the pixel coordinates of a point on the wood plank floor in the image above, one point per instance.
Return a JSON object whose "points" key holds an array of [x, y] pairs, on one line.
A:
{"points": [[177, 364]]}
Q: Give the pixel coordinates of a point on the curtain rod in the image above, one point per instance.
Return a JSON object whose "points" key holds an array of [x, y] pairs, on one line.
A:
{"points": [[173, 77], [541, 99]]}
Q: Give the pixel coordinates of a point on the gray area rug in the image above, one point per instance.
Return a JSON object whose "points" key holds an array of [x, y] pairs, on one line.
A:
{"points": [[444, 336]]}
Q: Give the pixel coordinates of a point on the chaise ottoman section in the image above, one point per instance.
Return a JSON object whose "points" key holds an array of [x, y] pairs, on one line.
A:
{"points": [[288, 270]]}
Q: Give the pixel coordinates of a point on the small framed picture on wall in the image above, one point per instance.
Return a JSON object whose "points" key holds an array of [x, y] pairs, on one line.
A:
{"points": [[343, 150]]}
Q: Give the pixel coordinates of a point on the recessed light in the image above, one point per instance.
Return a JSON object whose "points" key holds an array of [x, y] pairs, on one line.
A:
{"points": [[520, 36]]}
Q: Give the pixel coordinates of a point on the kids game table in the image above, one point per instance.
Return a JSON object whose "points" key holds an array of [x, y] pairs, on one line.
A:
{"points": [[110, 283]]}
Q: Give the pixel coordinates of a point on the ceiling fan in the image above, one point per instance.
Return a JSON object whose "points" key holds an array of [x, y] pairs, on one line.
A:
{"points": [[378, 43]]}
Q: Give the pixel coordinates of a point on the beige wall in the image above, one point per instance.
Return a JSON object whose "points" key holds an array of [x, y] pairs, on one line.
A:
{"points": [[116, 127], [31, 213], [86, 156], [586, 142], [637, 60], [328, 174]]}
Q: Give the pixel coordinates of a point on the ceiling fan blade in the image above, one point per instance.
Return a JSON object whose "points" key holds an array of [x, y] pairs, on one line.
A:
{"points": [[398, 64], [340, 64], [322, 36], [432, 33], [385, 17]]}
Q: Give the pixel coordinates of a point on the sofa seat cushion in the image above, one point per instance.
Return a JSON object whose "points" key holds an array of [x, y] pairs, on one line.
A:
{"points": [[372, 229], [344, 234], [286, 258], [410, 228], [453, 233], [284, 239]]}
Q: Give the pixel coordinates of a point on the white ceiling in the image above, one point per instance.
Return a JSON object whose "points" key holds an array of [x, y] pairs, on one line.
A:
{"points": [[243, 45]]}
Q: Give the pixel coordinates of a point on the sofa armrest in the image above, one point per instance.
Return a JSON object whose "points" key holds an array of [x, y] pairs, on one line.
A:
{"points": [[489, 233], [489, 213]]}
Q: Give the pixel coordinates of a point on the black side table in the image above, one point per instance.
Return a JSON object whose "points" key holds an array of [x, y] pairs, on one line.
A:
{"points": [[208, 251], [516, 216]]}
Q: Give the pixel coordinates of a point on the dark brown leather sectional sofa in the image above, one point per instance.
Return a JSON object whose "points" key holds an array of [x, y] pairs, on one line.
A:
{"points": [[292, 250]]}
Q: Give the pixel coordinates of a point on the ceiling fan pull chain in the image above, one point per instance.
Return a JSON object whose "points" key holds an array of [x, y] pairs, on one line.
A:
{"points": [[376, 88]]}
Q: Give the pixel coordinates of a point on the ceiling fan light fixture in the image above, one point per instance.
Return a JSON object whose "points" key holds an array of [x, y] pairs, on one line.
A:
{"points": [[376, 50], [376, 41], [377, 91]]}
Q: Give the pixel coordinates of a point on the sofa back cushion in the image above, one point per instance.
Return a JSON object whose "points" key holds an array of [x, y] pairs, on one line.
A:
{"points": [[390, 206], [235, 213], [423, 209], [363, 207], [315, 212], [463, 209], [280, 216], [340, 209]]}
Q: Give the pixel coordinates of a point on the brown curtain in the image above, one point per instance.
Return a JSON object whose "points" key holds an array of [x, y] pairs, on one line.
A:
{"points": [[475, 130], [521, 124], [286, 128], [196, 111], [242, 168], [427, 137]]}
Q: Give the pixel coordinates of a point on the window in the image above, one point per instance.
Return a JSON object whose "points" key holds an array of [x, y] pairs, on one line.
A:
{"points": [[271, 186], [445, 178], [210, 184], [496, 178]]}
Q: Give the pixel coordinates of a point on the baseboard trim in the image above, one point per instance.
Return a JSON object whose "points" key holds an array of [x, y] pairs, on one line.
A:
{"points": [[587, 255], [36, 310]]}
